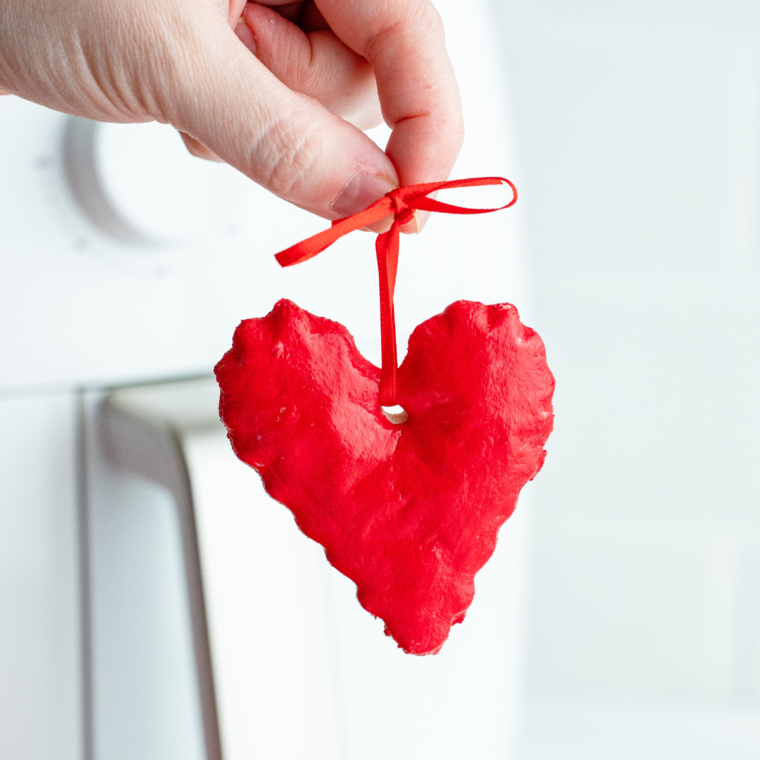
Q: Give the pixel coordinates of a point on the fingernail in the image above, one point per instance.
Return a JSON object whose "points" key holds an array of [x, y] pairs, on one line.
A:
{"points": [[414, 227], [421, 219], [199, 150], [361, 191]]}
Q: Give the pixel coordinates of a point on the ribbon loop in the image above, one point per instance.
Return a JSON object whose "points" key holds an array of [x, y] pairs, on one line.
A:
{"points": [[401, 204]]}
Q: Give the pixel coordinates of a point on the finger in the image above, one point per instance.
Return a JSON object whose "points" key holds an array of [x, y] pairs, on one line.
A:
{"points": [[227, 100], [404, 42], [236, 8], [312, 18], [289, 9], [199, 151], [316, 64]]}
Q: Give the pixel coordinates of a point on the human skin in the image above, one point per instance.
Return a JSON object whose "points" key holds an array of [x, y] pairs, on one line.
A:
{"points": [[279, 90]]}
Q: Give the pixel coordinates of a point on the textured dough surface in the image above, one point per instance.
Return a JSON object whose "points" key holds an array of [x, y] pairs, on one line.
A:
{"points": [[409, 512]]}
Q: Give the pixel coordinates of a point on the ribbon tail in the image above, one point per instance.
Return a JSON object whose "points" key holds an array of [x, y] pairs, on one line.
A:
{"points": [[387, 247], [314, 245]]}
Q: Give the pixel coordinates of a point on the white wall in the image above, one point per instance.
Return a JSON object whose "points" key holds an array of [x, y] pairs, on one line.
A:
{"points": [[639, 131]]}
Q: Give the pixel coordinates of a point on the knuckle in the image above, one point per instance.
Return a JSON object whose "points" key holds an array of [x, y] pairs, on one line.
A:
{"points": [[171, 55], [285, 152], [419, 21]]}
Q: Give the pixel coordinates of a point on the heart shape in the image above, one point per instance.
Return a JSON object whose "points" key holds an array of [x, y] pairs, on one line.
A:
{"points": [[410, 512]]}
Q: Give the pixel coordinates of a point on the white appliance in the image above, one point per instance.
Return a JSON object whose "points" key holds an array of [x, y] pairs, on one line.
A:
{"points": [[154, 602]]}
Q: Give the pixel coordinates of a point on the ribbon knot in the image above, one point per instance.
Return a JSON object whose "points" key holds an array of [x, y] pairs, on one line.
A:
{"points": [[402, 213], [404, 216], [401, 204]]}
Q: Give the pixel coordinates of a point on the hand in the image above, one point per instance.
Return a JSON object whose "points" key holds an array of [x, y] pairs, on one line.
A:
{"points": [[287, 116]]}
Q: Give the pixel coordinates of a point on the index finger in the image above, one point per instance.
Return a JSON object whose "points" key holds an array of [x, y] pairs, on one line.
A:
{"points": [[404, 42]]}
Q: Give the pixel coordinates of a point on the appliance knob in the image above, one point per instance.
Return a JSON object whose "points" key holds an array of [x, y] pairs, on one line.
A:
{"points": [[138, 183]]}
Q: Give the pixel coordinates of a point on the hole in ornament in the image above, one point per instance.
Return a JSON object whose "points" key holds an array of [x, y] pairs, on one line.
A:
{"points": [[395, 414]]}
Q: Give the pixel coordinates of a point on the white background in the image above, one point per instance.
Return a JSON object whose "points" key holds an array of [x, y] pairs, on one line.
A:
{"points": [[639, 131]]}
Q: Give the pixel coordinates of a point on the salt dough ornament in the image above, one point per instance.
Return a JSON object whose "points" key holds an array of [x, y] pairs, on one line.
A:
{"points": [[410, 510]]}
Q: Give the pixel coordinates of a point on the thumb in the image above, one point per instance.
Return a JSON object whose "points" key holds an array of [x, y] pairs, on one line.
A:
{"points": [[230, 102]]}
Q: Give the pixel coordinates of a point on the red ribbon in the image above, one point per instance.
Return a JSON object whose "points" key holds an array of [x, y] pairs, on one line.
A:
{"points": [[401, 203]]}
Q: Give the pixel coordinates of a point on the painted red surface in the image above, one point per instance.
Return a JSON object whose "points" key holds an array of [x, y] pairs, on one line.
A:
{"points": [[409, 512]]}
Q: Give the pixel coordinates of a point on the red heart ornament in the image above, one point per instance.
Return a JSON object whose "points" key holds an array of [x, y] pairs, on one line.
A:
{"points": [[410, 512]]}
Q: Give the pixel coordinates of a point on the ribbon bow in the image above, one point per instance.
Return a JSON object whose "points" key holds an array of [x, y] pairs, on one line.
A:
{"points": [[401, 203]]}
